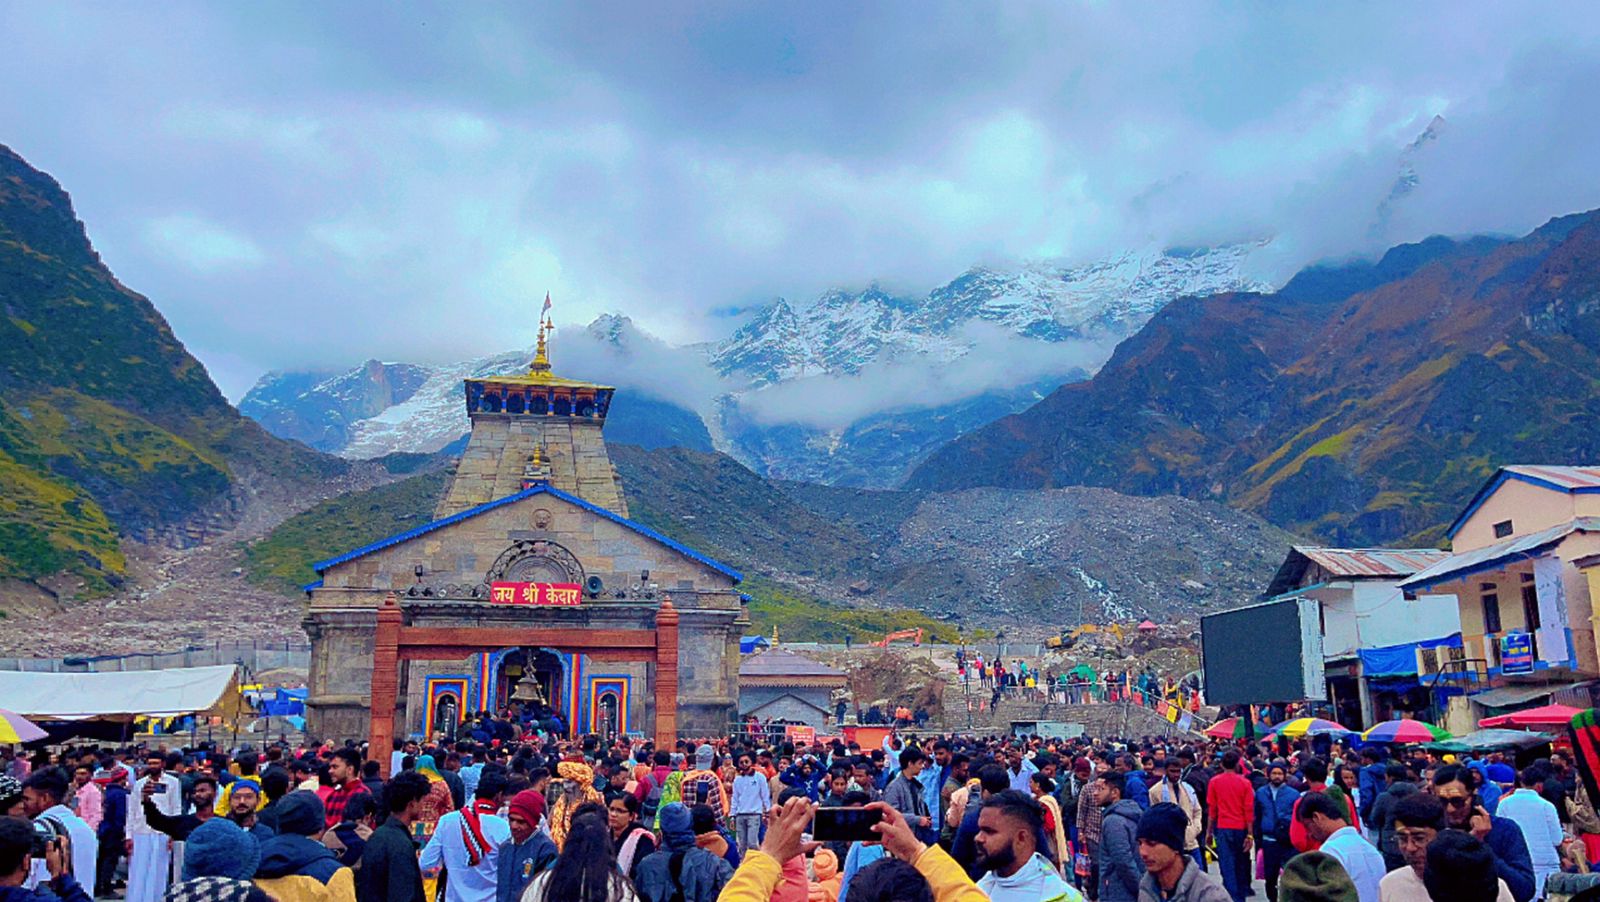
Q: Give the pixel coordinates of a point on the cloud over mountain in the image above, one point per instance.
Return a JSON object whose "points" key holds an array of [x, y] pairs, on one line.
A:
{"points": [[370, 180]]}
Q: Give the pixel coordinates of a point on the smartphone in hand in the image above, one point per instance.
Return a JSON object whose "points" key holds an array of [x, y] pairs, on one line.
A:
{"points": [[846, 825]]}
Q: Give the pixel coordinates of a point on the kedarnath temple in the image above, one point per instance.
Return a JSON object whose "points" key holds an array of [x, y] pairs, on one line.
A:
{"points": [[530, 585]]}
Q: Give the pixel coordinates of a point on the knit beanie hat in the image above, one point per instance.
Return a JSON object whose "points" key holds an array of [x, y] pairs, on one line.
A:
{"points": [[10, 791], [530, 804], [1164, 823], [1315, 877], [302, 814], [703, 756], [219, 848]]}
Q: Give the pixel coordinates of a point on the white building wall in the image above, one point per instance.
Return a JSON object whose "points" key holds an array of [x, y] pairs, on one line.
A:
{"points": [[1340, 634], [1384, 616]]}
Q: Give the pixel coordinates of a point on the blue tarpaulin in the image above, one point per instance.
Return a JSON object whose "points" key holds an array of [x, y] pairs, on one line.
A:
{"points": [[287, 702], [1400, 660], [749, 644]]}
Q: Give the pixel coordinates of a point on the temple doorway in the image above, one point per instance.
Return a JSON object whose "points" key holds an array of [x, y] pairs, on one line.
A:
{"points": [[446, 717], [531, 677], [608, 723]]}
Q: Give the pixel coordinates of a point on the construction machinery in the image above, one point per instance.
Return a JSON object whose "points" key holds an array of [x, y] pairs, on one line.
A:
{"points": [[1070, 638], [914, 635]]}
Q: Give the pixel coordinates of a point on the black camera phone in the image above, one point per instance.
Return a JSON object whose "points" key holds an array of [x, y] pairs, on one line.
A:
{"points": [[846, 825]]}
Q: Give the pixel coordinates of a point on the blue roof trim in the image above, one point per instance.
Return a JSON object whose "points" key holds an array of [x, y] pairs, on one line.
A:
{"points": [[309, 586], [453, 519], [1499, 479]]}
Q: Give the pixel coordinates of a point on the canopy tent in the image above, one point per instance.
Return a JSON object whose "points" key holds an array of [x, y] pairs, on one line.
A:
{"points": [[122, 696], [1491, 741], [1546, 716], [1084, 671]]}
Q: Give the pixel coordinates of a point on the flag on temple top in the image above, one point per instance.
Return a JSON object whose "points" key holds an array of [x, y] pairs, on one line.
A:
{"points": [[546, 304]]}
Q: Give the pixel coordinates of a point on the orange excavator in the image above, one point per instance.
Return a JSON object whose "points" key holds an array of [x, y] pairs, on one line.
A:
{"points": [[914, 635]]}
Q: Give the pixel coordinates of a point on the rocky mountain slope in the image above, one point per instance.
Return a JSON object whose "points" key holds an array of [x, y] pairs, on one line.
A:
{"points": [[109, 428], [758, 393], [1363, 404]]}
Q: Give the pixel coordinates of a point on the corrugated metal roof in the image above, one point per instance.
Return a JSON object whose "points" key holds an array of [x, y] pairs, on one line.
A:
{"points": [[1373, 562], [1349, 563], [1492, 557], [1507, 696], [779, 662], [426, 528], [1570, 478], [1582, 480]]}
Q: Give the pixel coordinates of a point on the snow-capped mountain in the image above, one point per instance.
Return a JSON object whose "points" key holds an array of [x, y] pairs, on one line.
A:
{"points": [[842, 332], [873, 345]]}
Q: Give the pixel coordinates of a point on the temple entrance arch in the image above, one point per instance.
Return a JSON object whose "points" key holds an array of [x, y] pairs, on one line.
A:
{"points": [[395, 642]]}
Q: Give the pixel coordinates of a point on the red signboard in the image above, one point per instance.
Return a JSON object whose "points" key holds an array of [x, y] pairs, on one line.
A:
{"points": [[799, 735], [559, 594]]}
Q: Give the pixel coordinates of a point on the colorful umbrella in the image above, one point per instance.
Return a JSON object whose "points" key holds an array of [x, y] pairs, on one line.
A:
{"points": [[1233, 728], [1405, 731], [1547, 716], [1309, 726], [15, 729]]}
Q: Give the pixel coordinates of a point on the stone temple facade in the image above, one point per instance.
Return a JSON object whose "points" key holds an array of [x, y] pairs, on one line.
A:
{"points": [[529, 583]]}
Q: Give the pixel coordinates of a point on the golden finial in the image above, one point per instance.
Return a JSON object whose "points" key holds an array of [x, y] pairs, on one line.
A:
{"points": [[541, 354], [538, 457], [774, 635]]}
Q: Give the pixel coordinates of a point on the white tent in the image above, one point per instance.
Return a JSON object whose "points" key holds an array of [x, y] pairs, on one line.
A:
{"points": [[117, 696]]}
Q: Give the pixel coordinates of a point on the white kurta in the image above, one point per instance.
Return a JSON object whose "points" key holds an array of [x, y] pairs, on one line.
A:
{"points": [[149, 867]]}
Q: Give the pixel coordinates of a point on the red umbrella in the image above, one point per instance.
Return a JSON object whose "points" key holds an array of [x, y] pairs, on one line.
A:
{"points": [[1547, 716]]}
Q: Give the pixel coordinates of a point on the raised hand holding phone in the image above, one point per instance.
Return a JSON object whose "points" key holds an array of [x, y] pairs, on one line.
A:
{"points": [[786, 827], [896, 833]]}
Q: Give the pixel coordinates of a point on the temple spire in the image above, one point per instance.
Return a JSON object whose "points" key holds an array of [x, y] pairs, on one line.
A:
{"points": [[541, 354]]}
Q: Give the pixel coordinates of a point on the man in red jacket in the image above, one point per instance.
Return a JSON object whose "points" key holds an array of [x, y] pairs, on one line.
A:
{"points": [[1231, 802]]}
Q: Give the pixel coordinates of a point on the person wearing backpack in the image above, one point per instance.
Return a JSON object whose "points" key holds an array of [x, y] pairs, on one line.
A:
{"points": [[650, 788], [681, 872]]}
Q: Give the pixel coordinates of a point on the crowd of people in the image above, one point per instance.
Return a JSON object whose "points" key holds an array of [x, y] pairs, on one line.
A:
{"points": [[958, 819], [1077, 685]]}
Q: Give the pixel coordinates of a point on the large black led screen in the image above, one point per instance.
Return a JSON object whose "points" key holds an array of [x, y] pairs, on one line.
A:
{"points": [[1258, 654]]}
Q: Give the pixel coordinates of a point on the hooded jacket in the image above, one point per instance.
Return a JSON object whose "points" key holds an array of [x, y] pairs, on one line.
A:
{"points": [[1120, 866], [296, 868], [702, 875]]}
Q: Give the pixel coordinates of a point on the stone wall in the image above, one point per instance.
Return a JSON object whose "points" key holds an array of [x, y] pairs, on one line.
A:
{"points": [[498, 453]]}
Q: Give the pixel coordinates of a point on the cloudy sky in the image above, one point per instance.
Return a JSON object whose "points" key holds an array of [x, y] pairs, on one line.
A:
{"points": [[305, 184]]}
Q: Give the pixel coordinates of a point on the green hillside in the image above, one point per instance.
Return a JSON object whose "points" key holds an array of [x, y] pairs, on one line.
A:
{"points": [[108, 426]]}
